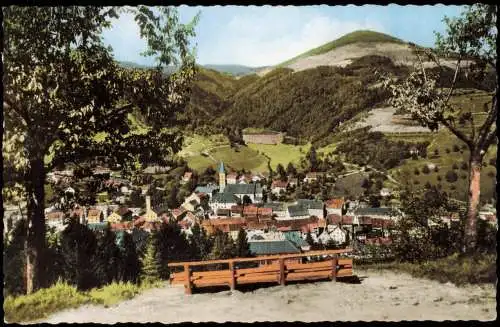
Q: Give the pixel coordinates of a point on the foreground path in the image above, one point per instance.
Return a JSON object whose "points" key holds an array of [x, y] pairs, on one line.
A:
{"points": [[380, 296]]}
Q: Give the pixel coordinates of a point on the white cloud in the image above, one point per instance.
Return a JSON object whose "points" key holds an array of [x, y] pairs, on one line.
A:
{"points": [[272, 35]]}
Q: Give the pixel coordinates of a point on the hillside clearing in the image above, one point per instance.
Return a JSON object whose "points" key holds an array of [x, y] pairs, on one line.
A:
{"points": [[382, 295], [282, 153]]}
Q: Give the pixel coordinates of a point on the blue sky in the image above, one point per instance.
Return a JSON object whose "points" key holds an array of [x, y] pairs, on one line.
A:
{"points": [[267, 35]]}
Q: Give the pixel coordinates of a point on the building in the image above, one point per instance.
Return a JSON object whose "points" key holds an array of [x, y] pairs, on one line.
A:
{"points": [[253, 191], [314, 207], [278, 186], [222, 177], [207, 189], [335, 207], [55, 219], [268, 137], [223, 201], [278, 208], [94, 216], [231, 178], [150, 215], [312, 177], [385, 192], [297, 212], [267, 248]]}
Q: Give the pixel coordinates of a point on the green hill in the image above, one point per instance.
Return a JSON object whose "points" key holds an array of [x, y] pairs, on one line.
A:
{"points": [[354, 37]]}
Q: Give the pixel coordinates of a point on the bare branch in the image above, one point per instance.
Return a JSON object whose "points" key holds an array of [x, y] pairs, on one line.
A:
{"points": [[420, 60], [457, 132], [489, 140], [454, 81]]}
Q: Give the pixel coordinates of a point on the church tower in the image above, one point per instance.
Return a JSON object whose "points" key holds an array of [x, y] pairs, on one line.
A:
{"points": [[222, 177]]}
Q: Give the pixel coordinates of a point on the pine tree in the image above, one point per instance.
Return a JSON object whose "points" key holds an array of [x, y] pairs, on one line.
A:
{"points": [[242, 246], [200, 243], [223, 247], [150, 271], [172, 246]]}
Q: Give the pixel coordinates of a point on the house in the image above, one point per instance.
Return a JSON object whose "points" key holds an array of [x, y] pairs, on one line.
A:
{"points": [[297, 240], [257, 178], [314, 207], [297, 212], [414, 150], [123, 226], [186, 178], [278, 186], [223, 200], [279, 209], [114, 218], [150, 215], [226, 225], [335, 206], [231, 178], [338, 235], [125, 190], [79, 214], [94, 216], [265, 213], [267, 247], [250, 211], [55, 219], [325, 238], [334, 220]]}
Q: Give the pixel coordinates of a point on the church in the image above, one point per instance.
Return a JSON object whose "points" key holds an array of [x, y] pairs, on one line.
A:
{"points": [[233, 194]]}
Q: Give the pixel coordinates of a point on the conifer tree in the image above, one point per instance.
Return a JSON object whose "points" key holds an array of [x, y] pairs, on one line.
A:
{"points": [[242, 246], [200, 243], [150, 271]]}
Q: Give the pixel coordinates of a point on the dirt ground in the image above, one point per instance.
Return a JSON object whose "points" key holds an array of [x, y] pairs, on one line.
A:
{"points": [[381, 296], [380, 121]]}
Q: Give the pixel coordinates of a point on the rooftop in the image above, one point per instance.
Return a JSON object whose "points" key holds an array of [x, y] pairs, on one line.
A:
{"points": [[374, 211], [243, 188], [310, 204], [272, 247]]}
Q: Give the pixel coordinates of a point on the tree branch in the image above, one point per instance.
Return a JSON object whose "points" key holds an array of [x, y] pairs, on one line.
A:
{"points": [[454, 81], [483, 131], [457, 133]]}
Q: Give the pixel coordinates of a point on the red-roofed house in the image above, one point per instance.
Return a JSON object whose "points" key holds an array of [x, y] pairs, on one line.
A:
{"points": [[334, 219], [250, 211], [277, 186], [335, 206], [179, 213]]}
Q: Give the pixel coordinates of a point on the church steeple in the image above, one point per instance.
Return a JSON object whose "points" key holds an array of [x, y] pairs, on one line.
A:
{"points": [[222, 177]]}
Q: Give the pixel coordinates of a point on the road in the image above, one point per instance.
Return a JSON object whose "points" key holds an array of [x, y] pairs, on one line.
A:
{"points": [[381, 295]]}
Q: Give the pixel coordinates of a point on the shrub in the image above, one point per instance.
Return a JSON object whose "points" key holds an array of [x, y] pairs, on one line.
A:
{"points": [[448, 150], [456, 148], [439, 186], [464, 166], [451, 176], [417, 172], [493, 161], [436, 169], [416, 182], [43, 302], [463, 176], [436, 152], [439, 178], [453, 188], [426, 170], [491, 174], [427, 185], [455, 166]]}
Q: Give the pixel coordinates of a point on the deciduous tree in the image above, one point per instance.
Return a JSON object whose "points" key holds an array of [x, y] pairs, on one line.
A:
{"points": [[470, 41]]}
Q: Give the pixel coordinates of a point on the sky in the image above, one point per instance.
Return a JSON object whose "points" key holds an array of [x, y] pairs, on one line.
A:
{"points": [[264, 36]]}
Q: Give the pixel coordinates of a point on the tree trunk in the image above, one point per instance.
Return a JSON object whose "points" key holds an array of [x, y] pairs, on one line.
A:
{"points": [[36, 226], [473, 204]]}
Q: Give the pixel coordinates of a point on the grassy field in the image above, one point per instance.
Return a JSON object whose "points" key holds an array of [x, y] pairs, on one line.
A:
{"points": [[202, 152], [282, 153], [62, 296], [357, 36]]}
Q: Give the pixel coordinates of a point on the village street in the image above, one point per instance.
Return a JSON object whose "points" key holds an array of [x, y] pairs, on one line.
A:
{"points": [[382, 295]]}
